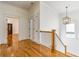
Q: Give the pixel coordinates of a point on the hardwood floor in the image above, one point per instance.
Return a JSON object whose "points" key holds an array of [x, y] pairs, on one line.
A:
{"points": [[27, 48]]}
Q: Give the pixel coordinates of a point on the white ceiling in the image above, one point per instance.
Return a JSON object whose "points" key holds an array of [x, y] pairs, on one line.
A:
{"points": [[60, 5], [20, 4]]}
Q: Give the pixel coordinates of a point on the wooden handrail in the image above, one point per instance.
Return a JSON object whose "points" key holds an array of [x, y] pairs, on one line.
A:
{"points": [[53, 39], [45, 31], [62, 43]]}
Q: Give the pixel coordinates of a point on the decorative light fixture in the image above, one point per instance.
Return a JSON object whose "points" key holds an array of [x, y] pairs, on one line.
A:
{"points": [[66, 19]]}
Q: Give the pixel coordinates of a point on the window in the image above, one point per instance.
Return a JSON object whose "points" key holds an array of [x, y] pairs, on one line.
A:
{"points": [[70, 31], [70, 28]]}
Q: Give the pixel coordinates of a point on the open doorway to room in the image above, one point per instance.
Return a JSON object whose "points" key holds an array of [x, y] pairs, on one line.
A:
{"points": [[12, 31], [9, 34]]}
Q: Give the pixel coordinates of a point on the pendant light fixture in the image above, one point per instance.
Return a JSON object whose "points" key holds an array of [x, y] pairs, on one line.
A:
{"points": [[66, 19]]}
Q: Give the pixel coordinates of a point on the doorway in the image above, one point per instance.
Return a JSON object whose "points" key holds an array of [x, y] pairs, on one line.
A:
{"points": [[10, 26], [12, 31]]}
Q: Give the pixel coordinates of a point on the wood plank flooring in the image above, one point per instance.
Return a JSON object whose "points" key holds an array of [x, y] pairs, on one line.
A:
{"points": [[27, 48]]}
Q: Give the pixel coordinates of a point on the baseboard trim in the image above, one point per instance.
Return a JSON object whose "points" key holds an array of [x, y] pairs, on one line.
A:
{"points": [[70, 53]]}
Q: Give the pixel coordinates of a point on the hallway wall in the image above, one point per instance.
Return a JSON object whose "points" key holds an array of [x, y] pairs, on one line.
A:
{"points": [[48, 21], [7, 10], [72, 43]]}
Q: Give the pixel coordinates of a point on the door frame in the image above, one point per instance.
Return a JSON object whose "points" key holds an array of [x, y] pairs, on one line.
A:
{"points": [[14, 17]]}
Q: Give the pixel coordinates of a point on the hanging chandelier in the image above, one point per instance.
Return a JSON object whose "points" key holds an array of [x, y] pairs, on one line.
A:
{"points": [[66, 19]]}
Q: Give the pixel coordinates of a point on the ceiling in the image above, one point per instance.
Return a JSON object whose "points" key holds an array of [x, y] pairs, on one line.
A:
{"points": [[60, 5], [20, 4]]}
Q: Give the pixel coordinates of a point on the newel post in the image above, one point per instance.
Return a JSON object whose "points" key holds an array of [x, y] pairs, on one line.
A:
{"points": [[53, 40]]}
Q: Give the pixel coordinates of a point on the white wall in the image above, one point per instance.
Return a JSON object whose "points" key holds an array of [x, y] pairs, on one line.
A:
{"points": [[48, 21], [12, 11], [72, 43]]}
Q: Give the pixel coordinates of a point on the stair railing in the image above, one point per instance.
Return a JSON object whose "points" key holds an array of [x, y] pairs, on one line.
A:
{"points": [[62, 43], [53, 40]]}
